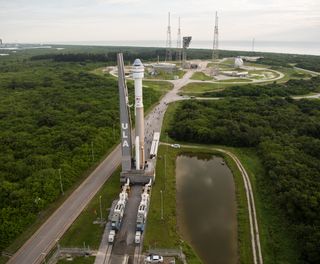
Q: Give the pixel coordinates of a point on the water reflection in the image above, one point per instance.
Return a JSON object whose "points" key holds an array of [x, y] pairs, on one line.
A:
{"points": [[206, 207]]}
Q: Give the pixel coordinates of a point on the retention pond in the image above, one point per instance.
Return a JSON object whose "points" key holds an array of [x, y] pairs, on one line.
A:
{"points": [[206, 207]]}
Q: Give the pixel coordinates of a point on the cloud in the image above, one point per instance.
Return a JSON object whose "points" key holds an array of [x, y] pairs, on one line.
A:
{"points": [[38, 20]]}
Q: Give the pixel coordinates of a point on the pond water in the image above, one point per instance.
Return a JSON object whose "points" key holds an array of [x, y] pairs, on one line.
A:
{"points": [[206, 207]]}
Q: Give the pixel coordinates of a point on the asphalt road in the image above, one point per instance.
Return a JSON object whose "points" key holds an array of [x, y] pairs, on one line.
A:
{"points": [[38, 246]]}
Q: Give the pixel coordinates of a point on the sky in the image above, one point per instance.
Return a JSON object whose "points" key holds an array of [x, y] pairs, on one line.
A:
{"points": [[122, 20]]}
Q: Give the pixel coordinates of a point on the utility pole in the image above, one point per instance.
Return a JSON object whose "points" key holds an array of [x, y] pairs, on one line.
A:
{"points": [[161, 204], [165, 171], [92, 153], [61, 185], [113, 132], [100, 209], [167, 140]]}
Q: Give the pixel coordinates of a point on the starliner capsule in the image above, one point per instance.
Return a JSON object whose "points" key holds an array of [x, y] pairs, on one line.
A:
{"points": [[137, 75]]}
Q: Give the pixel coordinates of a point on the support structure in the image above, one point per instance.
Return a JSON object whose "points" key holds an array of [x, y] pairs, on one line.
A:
{"points": [[125, 120], [215, 48], [178, 58], [168, 42]]}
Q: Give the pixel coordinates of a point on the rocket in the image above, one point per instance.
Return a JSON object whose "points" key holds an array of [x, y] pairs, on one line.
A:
{"points": [[137, 75]]}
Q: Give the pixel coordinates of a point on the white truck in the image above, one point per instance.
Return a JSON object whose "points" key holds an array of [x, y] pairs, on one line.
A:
{"points": [[137, 238], [111, 236]]}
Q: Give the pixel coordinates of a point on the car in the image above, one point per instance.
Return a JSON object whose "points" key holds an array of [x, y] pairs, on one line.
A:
{"points": [[175, 145], [152, 258]]}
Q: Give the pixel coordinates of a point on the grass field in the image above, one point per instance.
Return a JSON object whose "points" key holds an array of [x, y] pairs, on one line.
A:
{"points": [[78, 260], [278, 244], [290, 73], [201, 76], [241, 80], [198, 88], [83, 230]]}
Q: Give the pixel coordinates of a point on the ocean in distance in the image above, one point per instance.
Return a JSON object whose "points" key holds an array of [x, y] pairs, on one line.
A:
{"points": [[310, 48]]}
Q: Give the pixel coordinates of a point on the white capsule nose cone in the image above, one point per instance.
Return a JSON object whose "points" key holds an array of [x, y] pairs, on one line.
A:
{"points": [[137, 63]]}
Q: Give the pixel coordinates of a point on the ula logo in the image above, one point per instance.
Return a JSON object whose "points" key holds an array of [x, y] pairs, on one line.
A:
{"points": [[124, 127]]}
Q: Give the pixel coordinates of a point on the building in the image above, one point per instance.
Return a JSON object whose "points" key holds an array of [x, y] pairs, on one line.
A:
{"points": [[164, 67]]}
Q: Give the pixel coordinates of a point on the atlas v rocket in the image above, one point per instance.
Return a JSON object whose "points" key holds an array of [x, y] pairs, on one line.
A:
{"points": [[137, 75], [126, 140]]}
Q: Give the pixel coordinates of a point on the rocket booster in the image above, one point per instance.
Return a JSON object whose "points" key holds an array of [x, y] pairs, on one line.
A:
{"points": [[137, 75]]}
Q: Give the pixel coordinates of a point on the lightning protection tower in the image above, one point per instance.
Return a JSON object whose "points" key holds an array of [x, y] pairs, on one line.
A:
{"points": [[168, 43], [179, 43], [215, 50]]}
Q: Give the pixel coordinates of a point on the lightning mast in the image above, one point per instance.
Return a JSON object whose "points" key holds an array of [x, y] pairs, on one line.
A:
{"points": [[253, 40], [215, 50], [179, 43], [168, 43]]}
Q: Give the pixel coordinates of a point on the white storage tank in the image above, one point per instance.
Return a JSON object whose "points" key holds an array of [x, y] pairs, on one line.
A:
{"points": [[238, 62]]}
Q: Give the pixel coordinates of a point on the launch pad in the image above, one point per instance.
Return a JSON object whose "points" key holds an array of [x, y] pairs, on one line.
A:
{"points": [[139, 177]]}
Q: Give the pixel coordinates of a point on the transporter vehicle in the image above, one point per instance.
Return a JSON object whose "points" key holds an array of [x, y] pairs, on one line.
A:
{"points": [[111, 236]]}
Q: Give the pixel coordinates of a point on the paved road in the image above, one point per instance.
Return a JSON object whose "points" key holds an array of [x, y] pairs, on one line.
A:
{"points": [[38, 246]]}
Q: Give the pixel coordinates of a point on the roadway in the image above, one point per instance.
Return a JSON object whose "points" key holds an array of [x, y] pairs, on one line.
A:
{"points": [[44, 239]]}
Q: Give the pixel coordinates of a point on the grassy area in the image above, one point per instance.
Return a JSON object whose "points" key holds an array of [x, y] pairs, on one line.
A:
{"points": [[242, 80], [198, 88], [200, 76], [163, 233], [278, 244], [290, 73], [78, 260], [83, 230]]}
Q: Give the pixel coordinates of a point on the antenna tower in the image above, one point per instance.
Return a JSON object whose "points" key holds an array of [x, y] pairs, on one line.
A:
{"points": [[215, 50], [179, 43], [168, 43], [253, 40]]}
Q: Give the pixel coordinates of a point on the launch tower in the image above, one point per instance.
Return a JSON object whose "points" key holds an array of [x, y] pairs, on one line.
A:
{"points": [[168, 42], [215, 49], [179, 43]]}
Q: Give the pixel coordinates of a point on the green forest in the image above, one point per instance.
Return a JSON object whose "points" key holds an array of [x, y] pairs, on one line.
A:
{"points": [[286, 136], [54, 116]]}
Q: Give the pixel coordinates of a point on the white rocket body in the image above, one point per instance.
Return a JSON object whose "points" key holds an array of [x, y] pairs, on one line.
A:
{"points": [[137, 75]]}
